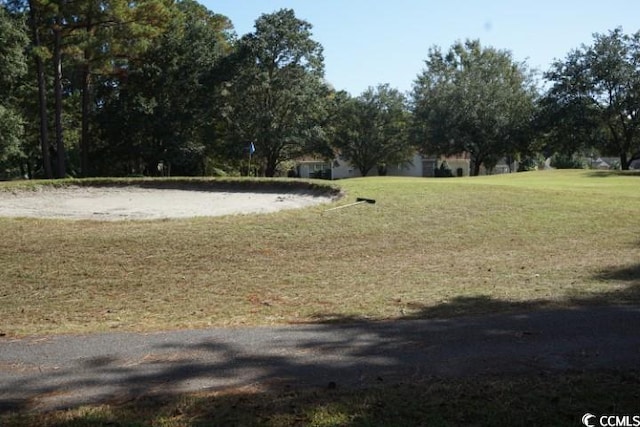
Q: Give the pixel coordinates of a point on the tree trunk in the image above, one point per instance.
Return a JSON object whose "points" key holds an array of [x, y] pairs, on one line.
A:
{"points": [[44, 126], [57, 61], [42, 96], [364, 171], [86, 99], [476, 167], [624, 161], [270, 169], [86, 106]]}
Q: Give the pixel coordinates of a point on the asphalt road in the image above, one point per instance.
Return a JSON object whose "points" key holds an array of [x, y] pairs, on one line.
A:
{"points": [[64, 371]]}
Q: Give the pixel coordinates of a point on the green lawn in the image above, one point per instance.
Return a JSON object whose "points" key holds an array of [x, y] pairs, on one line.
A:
{"points": [[428, 247]]}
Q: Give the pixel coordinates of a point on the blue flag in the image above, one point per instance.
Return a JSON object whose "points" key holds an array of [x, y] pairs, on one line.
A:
{"points": [[252, 148]]}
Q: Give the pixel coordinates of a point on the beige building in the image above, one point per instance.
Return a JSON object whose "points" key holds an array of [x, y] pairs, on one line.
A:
{"points": [[418, 166]]}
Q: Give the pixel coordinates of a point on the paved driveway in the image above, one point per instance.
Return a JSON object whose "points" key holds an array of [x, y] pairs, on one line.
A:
{"points": [[62, 371]]}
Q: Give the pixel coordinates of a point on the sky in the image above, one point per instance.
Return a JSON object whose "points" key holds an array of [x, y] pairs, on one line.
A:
{"points": [[373, 42]]}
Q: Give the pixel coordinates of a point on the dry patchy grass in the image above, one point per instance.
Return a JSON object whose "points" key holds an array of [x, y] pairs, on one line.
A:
{"points": [[544, 399], [428, 247]]}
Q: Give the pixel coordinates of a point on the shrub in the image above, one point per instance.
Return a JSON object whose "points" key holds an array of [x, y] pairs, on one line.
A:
{"points": [[528, 164], [444, 171], [563, 161]]}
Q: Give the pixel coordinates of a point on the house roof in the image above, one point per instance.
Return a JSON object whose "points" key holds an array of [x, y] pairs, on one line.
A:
{"points": [[313, 162]]}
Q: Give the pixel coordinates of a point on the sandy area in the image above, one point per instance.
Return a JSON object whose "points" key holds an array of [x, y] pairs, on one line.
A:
{"points": [[135, 203]]}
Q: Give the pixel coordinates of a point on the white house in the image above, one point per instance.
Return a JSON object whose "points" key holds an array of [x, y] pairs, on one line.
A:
{"points": [[341, 169], [418, 166]]}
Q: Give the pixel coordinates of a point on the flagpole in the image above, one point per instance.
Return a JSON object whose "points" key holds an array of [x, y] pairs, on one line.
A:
{"points": [[252, 148]]}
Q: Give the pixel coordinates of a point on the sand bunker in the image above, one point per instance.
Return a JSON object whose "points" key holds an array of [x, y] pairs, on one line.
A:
{"points": [[135, 203]]}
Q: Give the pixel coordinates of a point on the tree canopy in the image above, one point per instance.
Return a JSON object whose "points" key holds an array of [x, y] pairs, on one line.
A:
{"points": [[13, 66], [371, 129], [162, 111], [597, 87], [166, 87], [276, 96], [472, 99]]}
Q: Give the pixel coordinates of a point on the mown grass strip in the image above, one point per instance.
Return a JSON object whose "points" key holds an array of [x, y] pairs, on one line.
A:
{"points": [[428, 247]]}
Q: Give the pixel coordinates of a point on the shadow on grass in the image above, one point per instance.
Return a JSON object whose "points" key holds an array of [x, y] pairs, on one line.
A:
{"points": [[558, 400], [608, 173], [625, 283], [524, 363]]}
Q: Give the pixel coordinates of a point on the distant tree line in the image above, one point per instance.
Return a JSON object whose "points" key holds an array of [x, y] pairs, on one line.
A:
{"points": [[165, 87]]}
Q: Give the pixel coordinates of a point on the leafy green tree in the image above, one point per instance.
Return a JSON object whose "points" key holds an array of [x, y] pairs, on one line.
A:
{"points": [[276, 97], [95, 39], [163, 112], [13, 66], [372, 129], [38, 15], [567, 125], [602, 84], [101, 39], [473, 99]]}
